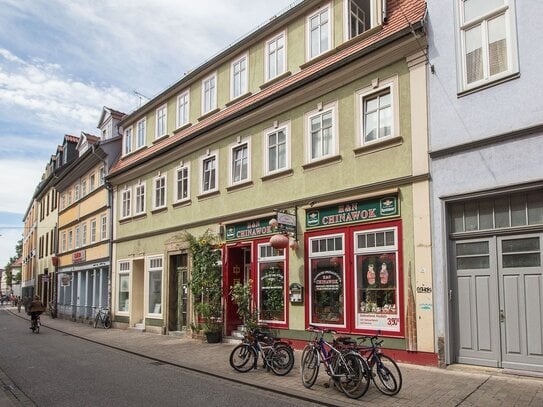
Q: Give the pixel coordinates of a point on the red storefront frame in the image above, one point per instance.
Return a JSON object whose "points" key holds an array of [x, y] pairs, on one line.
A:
{"points": [[349, 276], [231, 260]]}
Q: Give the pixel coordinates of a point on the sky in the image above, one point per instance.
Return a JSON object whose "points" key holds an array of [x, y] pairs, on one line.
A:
{"points": [[61, 61]]}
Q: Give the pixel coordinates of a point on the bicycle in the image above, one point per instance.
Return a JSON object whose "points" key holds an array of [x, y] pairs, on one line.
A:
{"points": [[35, 324], [346, 367], [385, 373], [277, 355], [103, 317]]}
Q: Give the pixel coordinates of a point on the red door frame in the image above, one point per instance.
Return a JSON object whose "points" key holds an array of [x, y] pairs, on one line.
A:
{"points": [[233, 257]]}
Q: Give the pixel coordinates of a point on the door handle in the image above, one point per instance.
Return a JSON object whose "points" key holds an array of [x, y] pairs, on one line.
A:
{"points": [[502, 316]]}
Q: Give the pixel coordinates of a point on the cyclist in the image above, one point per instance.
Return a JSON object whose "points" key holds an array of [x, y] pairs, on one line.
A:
{"points": [[35, 309]]}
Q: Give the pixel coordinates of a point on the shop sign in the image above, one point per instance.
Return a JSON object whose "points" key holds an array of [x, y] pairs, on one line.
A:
{"points": [[65, 280], [286, 222], [353, 212], [251, 229], [78, 256]]}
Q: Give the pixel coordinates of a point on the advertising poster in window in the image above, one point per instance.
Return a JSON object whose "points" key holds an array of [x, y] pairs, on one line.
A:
{"points": [[327, 291], [377, 292]]}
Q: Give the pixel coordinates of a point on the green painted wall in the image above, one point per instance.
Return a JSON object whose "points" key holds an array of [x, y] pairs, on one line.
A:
{"points": [[351, 171]]}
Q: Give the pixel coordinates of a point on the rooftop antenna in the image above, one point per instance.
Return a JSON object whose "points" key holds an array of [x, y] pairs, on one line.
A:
{"points": [[140, 97]]}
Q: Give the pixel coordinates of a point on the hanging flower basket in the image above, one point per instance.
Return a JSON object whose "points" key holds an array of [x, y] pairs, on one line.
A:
{"points": [[279, 241]]}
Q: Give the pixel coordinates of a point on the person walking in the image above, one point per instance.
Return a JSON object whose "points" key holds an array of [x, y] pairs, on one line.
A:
{"points": [[19, 303]]}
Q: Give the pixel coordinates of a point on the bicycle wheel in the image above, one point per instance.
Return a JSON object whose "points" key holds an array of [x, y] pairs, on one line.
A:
{"points": [[96, 320], [310, 366], [386, 375], [107, 322], [281, 359], [353, 375], [243, 357]]}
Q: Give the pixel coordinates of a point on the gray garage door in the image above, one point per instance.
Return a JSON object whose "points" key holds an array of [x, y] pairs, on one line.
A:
{"points": [[497, 302]]}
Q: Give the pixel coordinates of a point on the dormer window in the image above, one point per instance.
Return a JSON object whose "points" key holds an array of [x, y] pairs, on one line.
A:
{"points": [[209, 94], [319, 32], [361, 15], [161, 121], [239, 77], [275, 56], [127, 141]]}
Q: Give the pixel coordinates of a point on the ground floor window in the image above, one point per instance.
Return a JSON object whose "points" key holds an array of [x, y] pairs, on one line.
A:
{"points": [[155, 285], [327, 281], [376, 305], [123, 286], [354, 278], [271, 284]]}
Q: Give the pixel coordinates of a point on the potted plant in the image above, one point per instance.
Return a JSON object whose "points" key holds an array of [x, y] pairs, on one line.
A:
{"points": [[242, 296], [206, 284]]}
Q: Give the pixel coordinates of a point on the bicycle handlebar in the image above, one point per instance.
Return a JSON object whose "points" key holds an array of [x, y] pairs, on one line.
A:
{"points": [[316, 329]]}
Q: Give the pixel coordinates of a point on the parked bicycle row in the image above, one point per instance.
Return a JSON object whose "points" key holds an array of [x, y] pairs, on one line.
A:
{"points": [[351, 363]]}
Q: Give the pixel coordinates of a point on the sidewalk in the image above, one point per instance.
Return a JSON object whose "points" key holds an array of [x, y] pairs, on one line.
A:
{"points": [[422, 386]]}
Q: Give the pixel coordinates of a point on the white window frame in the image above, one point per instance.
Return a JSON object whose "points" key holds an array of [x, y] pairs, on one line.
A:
{"points": [[139, 198], [268, 59], [209, 97], [92, 182], [161, 117], [370, 91], [84, 234], [269, 132], [164, 186], [183, 108], [324, 254], [83, 187], [93, 230], [70, 239], [124, 270], [185, 185], [329, 32], [508, 10], [231, 168], [215, 156], [102, 178], [376, 250], [63, 242], [321, 111], [141, 133], [375, 18], [280, 257], [103, 227], [239, 76], [128, 140], [77, 192], [77, 237], [154, 268], [126, 202]]}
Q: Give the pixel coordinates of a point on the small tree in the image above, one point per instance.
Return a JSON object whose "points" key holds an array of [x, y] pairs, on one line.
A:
{"points": [[242, 296], [206, 279]]}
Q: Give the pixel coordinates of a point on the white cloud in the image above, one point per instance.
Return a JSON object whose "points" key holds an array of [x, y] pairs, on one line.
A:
{"points": [[8, 240], [53, 99], [19, 179]]}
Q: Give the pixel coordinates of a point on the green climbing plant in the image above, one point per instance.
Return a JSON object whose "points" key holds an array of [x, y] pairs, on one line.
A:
{"points": [[206, 279]]}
